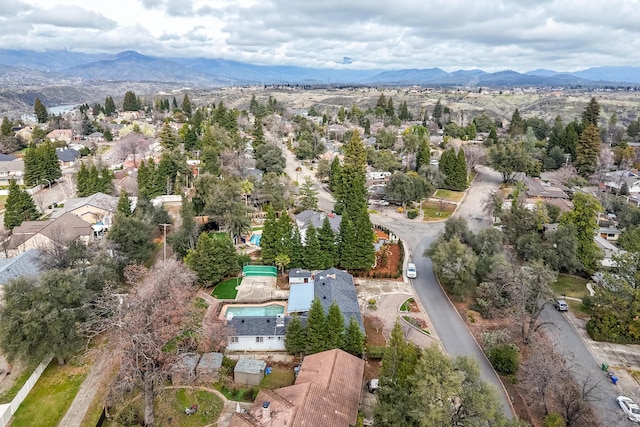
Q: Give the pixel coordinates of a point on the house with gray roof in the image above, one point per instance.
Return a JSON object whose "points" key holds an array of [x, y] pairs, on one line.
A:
{"points": [[338, 286], [257, 333], [67, 156], [309, 217], [11, 168], [48, 234], [249, 371], [26, 264]]}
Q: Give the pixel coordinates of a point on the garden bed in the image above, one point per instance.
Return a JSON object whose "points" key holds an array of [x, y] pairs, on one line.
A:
{"points": [[420, 324]]}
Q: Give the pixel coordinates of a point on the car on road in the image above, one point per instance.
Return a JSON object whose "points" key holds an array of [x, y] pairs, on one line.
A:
{"points": [[412, 273], [561, 305], [631, 410]]}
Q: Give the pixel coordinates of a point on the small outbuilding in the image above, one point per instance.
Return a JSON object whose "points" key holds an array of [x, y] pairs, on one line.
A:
{"points": [[249, 371], [209, 365]]}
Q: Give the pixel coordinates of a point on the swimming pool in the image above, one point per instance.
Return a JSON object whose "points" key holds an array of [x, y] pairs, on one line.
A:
{"points": [[265, 310]]}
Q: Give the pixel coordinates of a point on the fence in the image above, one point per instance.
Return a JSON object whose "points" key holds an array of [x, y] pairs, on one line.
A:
{"points": [[260, 270], [8, 409]]}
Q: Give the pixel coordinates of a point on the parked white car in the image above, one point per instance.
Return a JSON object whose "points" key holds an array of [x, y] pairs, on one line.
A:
{"points": [[412, 273], [631, 410]]}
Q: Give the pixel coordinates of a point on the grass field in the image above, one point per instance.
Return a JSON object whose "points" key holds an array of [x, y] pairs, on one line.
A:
{"points": [[571, 286], [51, 396], [279, 377], [24, 375], [227, 289], [453, 196], [436, 210]]}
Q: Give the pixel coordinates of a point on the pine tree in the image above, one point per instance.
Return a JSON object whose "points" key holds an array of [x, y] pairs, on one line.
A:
{"points": [[130, 102], [328, 247], [354, 339], [335, 327], [295, 340], [363, 245], [587, 151], [390, 110], [312, 252], [296, 252], [41, 164], [348, 254], [7, 127], [82, 179], [186, 105], [269, 242], [591, 114], [124, 204], [258, 135], [382, 102], [40, 111], [335, 176], [285, 233], [168, 139], [404, 112], [19, 207], [517, 125], [317, 335], [109, 106], [424, 154]]}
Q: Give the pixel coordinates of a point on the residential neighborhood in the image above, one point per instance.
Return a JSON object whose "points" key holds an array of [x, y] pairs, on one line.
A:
{"points": [[262, 252]]}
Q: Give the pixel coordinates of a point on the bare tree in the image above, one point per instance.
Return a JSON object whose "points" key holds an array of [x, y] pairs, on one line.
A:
{"points": [[474, 156], [142, 324], [132, 145]]}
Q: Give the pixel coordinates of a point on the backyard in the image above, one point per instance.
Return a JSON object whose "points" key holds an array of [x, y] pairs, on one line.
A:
{"points": [[227, 288]]}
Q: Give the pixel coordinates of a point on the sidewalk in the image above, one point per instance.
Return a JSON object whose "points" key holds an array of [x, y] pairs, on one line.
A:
{"points": [[622, 359]]}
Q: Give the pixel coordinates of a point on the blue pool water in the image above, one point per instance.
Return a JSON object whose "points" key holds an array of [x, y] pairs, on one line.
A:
{"points": [[267, 310]]}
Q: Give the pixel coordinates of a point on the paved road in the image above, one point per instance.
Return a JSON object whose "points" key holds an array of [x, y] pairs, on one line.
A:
{"points": [[586, 370], [454, 334]]}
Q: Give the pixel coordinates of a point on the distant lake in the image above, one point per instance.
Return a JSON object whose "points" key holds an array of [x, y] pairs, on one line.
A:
{"points": [[61, 109]]}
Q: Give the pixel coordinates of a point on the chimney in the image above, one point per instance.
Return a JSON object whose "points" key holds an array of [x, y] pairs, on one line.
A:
{"points": [[266, 411]]}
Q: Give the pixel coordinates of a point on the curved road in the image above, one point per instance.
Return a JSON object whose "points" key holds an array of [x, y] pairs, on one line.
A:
{"points": [[450, 327]]}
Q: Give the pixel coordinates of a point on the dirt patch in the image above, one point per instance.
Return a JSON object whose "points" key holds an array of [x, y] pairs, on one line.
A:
{"points": [[413, 307], [388, 260], [380, 234], [282, 282], [372, 369], [373, 326]]}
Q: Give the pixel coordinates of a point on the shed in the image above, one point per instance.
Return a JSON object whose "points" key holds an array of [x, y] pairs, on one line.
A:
{"points": [[209, 364], [249, 371]]}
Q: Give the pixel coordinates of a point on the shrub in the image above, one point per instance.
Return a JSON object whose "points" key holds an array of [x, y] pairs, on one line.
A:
{"points": [[376, 352], [554, 419], [504, 358], [412, 214]]}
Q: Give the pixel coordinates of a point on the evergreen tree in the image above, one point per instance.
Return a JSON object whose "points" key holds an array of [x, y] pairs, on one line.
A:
{"points": [[40, 111], [308, 195], [382, 102], [82, 179], [354, 339], [7, 127], [296, 252], [19, 207], [328, 247], [317, 334], [258, 135], [587, 151], [351, 194], [168, 138], [295, 340], [348, 254], [186, 105], [109, 106], [94, 180], [130, 102], [390, 110], [517, 125], [335, 175], [124, 204], [424, 154], [335, 327], [269, 242], [41, 164], [253, 105], [186, 237], [591, 114], [364, 242], [404, 112], [285, 232], [437, 113], [213, 259], [132, 237], [312, 252]]}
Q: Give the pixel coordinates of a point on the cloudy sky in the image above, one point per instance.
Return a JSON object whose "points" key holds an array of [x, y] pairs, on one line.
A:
{"points": [[522, 35]]}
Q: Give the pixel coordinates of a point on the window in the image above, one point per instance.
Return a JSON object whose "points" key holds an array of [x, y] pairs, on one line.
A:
{"points": [[233, 339], [259, 339]]}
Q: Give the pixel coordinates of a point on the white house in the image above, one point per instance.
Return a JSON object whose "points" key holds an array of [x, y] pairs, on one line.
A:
{"points": [[257, 333]]}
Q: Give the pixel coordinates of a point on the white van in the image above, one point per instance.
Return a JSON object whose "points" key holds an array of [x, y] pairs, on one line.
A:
{"points": [[412, 273]]}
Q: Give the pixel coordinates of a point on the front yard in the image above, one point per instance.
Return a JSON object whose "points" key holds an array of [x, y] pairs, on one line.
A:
{"points": [[434, 211]]}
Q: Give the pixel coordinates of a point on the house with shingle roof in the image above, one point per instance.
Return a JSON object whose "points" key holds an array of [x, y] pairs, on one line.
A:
{"points": [[26, 264], [308, 217], [338, 286], [99, 208], [327, 392], [47, 234], [65, 135], [11, 168]]}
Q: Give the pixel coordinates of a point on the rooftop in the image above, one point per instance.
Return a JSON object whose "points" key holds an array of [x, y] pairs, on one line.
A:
{"points": [[250, 366], [25, 264], [337, 285]]}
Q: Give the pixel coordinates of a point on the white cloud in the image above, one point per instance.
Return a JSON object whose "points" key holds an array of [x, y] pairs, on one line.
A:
{"points": [[452, 34]]}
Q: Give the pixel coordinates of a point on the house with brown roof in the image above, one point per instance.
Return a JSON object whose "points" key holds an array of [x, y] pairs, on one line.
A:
{"points": [[47, 234], [65, 135], [97, 209], [326, 392]]}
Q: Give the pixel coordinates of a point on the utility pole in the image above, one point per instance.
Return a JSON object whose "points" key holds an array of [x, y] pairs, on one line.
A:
{"points": [[164, 248]]}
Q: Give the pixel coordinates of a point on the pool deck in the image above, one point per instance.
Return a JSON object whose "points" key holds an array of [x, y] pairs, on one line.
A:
{"points": [[223, 311], [260, 288]]}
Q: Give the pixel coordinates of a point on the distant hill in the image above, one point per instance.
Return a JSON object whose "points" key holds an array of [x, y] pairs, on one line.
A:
{"points": [[24, 67]]}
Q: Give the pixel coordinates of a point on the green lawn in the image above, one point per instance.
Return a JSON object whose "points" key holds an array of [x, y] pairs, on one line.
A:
{"points": [[454, 196], [571, 286], [279, 377], [51, 396], [170, 405], [436, 210], [227, 289]]}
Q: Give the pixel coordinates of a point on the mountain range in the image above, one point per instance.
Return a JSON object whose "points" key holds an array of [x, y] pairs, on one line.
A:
{"points": [[27, 68]]}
